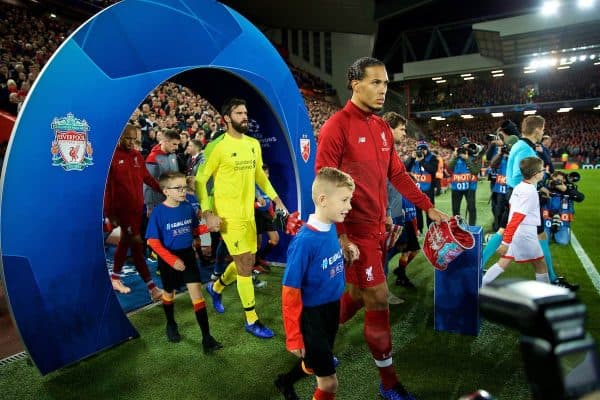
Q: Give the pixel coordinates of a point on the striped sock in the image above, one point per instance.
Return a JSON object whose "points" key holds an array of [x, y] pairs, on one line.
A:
{"points": [[169, 308], [246, 292], [201, 316], [379, 339], [226, 279]]}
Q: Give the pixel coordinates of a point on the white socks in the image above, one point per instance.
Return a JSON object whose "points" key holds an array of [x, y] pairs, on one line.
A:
{"points": [[492, 273], [542, 277]]}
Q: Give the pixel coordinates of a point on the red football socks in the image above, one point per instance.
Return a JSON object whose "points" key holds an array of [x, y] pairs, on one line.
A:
{"points": [[323, 395], [348, 307], [379, 339]]}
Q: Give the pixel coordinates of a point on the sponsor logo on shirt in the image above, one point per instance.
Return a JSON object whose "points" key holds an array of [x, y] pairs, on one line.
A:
{"points": [[362, 139], [178, 228], [243, 165], [324, 264], [335, 262]]}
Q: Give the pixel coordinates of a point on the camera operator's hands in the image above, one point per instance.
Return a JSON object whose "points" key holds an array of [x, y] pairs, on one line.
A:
{"points": [[544, 191], [464, 156], [562, 187]]}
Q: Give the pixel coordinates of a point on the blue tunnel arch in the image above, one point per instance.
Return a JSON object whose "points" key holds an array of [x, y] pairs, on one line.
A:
{"points": [[53, 260]]}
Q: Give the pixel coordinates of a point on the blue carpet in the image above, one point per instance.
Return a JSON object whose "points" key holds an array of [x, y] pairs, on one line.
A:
{"points": [[139, 296]]}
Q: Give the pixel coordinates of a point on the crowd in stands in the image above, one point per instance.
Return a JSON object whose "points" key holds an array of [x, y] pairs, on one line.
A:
{"points": [[27, 41], [574, 133], [579, 83], [311, 83], [577, 134], [319, 110], [172, 106]]}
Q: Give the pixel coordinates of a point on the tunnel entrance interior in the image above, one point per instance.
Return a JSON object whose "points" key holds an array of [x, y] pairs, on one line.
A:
{"points": [[216, 86]]}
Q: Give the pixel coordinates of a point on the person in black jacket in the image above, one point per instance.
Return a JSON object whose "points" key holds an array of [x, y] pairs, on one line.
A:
{"points": [[543, 151], [422, 164]]}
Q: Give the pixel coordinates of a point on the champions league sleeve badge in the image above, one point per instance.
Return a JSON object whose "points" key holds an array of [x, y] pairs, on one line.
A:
{"points": [[70, 147]]}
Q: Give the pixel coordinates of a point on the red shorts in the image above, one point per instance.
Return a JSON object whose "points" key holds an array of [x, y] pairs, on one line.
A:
{"points": [[131, 222], [367, 271]]}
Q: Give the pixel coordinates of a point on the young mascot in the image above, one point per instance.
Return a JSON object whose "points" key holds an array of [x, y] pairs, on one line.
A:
{"points": [[520, 241], [313, 283], [171, 230]]}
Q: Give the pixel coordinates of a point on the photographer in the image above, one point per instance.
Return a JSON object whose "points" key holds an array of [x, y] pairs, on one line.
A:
{"points": [[464, 166], [495, 144], [532, 132], [558, 208], [500, 188], [423, 165]]}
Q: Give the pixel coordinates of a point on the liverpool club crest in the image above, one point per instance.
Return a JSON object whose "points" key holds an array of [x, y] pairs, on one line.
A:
{"points": [[70, 147], [305, 148]]}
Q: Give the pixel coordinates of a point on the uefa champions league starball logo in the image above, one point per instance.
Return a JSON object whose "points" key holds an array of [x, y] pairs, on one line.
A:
{"points": [[71, 149]]}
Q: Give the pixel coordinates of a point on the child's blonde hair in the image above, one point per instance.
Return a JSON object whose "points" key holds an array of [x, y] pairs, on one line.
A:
{"points": [[328, 178]]}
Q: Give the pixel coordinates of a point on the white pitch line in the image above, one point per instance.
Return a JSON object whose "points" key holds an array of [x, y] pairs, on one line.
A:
{"points": [[588, 265]]}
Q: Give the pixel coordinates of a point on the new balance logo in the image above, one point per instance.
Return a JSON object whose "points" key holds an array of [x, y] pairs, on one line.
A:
{"points": [[362, 139]]}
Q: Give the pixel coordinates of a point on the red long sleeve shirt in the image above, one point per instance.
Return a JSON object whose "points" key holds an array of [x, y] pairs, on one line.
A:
{"points": [[124, 186], [361, 144]]}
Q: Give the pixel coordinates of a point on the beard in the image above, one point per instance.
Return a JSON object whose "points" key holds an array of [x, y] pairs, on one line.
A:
{"points": [[241, 127]]}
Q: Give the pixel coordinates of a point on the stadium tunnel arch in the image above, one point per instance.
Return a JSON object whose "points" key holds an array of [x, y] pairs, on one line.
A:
{"points": [[53, 260]]}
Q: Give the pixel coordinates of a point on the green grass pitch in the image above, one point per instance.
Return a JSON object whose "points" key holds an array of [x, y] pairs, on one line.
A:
{"points": [[433, 365]]}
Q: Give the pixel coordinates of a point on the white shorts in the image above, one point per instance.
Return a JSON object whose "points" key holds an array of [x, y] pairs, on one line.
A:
{"points": [[525, 246]]}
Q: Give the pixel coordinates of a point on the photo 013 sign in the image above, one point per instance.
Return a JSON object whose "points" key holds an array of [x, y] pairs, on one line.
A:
{"points": [[71, 148]]}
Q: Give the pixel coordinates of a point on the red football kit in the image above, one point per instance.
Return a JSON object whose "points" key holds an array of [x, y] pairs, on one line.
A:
{"points": [[124, 199], [361, 144], [124, 196]]}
